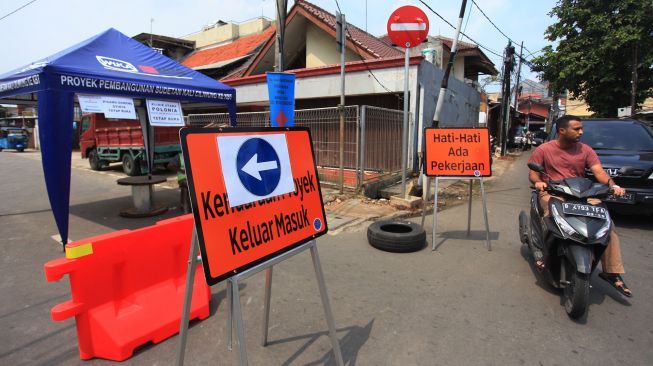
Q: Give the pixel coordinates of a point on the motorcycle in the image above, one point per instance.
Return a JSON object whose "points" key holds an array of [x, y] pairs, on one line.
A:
{"points": [[571, 240]]}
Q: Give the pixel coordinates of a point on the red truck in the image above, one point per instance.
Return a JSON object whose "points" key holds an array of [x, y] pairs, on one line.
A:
{"points": [[105, 141]]}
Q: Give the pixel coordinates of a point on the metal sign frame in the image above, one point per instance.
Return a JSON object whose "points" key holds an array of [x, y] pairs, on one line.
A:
{"points": [[185, 134], [235, 308], [488, 244]]}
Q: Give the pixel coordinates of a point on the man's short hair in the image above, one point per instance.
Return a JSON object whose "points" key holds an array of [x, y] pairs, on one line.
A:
{"points": [[563, 122]]}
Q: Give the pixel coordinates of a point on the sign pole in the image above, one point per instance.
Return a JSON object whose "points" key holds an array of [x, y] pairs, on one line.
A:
{"points": [[238, 317], [235, 308], [188, 296], [404, 131], [488, 244], [325, 303], [487, 224], [407, 27], [266, 307], [469, 206]]}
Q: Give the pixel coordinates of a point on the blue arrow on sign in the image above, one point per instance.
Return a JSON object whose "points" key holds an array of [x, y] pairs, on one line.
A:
{"points": [[255, 167], [257, 164]]}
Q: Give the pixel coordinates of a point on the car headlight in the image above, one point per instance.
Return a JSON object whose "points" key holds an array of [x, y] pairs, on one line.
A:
{"points": [[650, 176], [562, 224]]}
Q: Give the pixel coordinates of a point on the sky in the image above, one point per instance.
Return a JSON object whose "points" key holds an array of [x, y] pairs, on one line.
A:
{"points": [[45, 27]]}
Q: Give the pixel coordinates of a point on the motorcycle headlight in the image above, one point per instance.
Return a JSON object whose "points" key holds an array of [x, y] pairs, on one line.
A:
{"points": [[561, 223], [604, 230]]}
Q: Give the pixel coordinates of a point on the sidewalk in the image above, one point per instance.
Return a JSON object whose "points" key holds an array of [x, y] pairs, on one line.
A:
{"points": [[348, 212]]}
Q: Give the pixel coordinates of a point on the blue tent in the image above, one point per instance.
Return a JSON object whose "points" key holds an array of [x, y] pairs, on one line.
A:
{"points": [[109, 63]]}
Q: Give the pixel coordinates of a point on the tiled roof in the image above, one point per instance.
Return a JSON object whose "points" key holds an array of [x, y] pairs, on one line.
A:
{"points": [[370, 46], [234, 50], [362, 39]]}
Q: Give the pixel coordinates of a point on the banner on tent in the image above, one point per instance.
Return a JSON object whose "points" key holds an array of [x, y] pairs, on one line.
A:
{"points": [[112, 107], [165, 113]]}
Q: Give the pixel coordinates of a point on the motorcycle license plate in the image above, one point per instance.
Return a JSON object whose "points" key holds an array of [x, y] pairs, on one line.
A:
{"points": [[580, 209], [626, 198]]}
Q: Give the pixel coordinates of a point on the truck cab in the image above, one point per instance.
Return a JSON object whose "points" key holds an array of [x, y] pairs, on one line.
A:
{"points": [[107, 140]]}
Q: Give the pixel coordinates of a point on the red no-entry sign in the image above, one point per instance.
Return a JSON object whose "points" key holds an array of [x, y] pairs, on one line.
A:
{"points": [[408, 26]]}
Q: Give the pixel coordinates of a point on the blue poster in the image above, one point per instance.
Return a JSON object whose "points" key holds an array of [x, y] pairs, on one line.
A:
{"points": [[281, 90]]}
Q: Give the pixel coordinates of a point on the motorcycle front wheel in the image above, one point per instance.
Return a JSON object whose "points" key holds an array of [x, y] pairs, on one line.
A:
{"points": [[576, 293]]}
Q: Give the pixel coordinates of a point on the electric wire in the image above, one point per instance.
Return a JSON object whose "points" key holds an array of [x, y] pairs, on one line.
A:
{"points": [[466, 36], [17, 9], [358, 53], [490, 20]]}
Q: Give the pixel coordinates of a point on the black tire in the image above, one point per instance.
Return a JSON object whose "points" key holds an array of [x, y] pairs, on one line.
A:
{"points": [[576, 294], [396, 236], [524, 230], [94, 160], [130, 166]]}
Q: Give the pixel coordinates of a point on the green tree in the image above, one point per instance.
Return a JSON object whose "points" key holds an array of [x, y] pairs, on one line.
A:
{"points": [[600, 43]]}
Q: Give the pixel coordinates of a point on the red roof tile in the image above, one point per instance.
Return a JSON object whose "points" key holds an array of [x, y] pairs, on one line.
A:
{"points": [[238, 48]]}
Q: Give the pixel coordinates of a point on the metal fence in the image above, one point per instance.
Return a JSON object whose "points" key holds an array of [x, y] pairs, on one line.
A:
{"points": [[372, 140]]}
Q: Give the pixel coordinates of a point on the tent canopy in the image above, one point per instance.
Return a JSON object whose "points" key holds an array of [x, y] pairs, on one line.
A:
{"points": [[109, 63]]}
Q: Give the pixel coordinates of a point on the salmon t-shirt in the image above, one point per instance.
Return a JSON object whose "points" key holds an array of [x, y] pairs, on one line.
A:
{"points": [[562, 163]]}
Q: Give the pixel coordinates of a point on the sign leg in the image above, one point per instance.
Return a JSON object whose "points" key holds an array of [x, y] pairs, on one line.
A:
{"points": [[188, 296], [435, 213], [230, 313], [266, 308], [487, 225], [240, 330], [426, 184], [326, 305], [469, 207]]}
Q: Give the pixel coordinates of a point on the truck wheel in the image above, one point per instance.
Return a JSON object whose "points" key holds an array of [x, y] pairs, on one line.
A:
{"points": [[130, 166], [94, 160]]}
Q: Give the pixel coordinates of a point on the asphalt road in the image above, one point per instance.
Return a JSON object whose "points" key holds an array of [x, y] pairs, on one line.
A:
{"points": [[459, 305]]}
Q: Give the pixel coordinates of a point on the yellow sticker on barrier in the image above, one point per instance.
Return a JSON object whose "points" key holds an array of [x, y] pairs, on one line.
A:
{"points": [[79, 251]]}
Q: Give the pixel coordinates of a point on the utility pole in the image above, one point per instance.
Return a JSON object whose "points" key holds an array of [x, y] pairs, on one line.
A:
{"points": [[281, 30], [521, 49], [505, 97], [633, 96], [341, 39]]}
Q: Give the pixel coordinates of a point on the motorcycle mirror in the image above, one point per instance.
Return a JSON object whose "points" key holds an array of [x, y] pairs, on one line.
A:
{"points": [[537, 167]]}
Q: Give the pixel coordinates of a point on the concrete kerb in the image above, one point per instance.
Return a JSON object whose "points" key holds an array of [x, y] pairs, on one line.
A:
{"points": [[342, 216]]}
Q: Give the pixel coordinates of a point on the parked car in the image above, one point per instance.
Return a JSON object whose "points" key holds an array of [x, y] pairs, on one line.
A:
{"points": [[625, 148], [539, 137], [522, 138], [13, 138]]}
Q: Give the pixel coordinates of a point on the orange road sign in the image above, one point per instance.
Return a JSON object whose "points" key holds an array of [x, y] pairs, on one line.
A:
{"points": [[457, 152], [255, 194]]}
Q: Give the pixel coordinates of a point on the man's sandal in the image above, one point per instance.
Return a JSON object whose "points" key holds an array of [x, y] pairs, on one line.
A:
{"points": [[617, 282]]}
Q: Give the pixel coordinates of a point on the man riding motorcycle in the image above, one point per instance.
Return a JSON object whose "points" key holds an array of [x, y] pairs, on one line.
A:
{"points": [[567, 157]]}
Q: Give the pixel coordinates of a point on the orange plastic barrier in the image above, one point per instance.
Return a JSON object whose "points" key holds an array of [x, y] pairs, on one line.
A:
{"points": [[128, 287]]}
